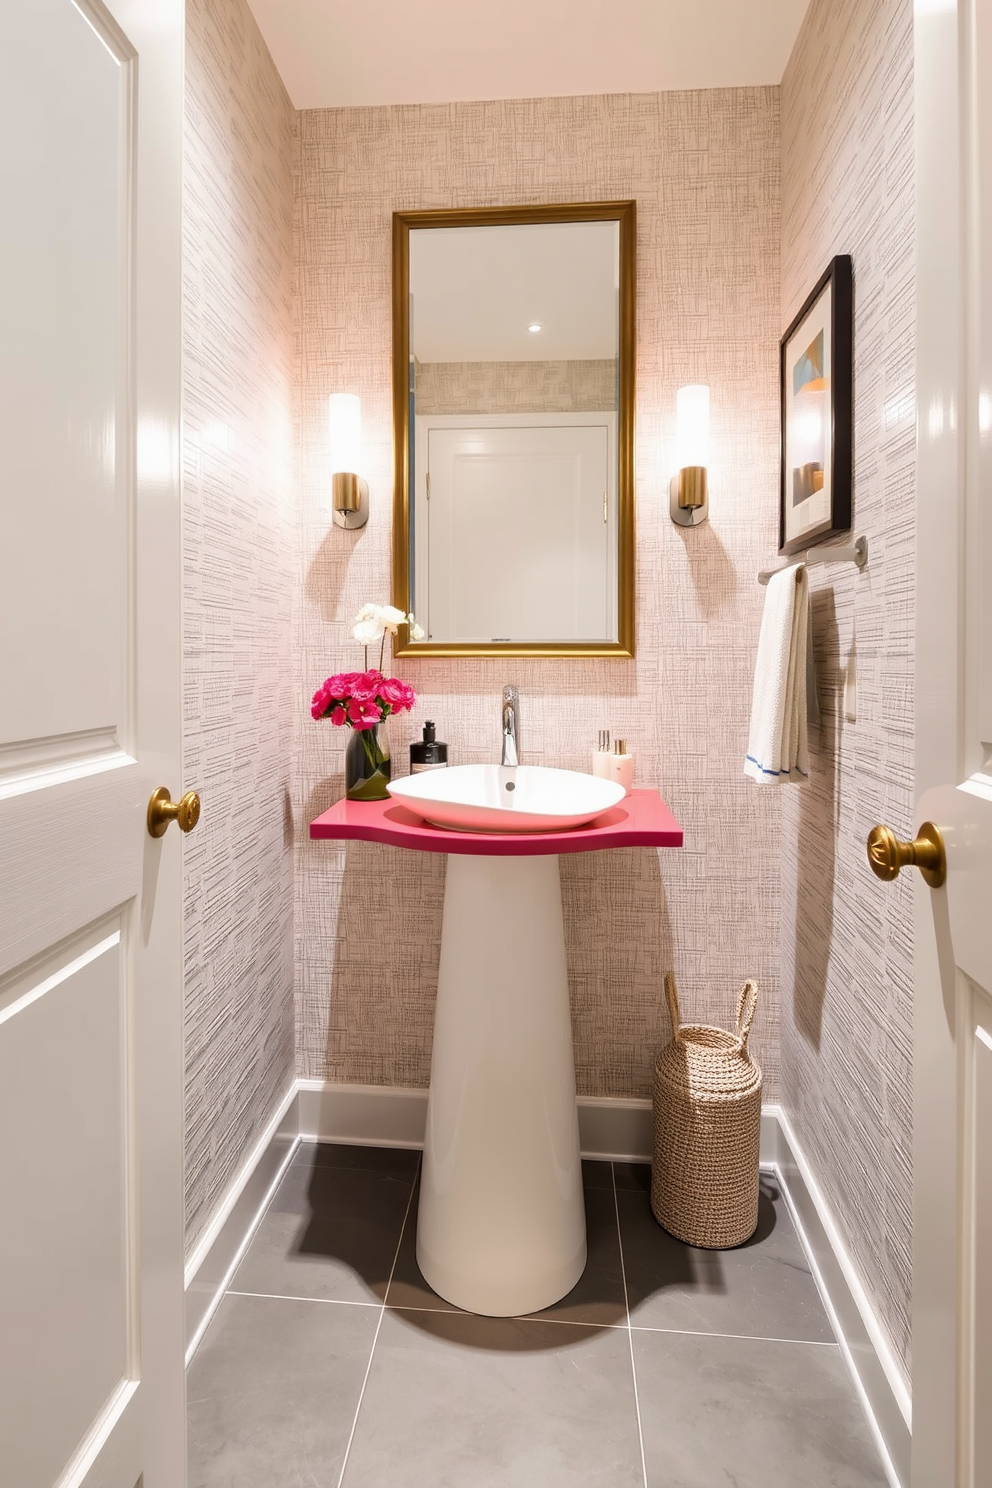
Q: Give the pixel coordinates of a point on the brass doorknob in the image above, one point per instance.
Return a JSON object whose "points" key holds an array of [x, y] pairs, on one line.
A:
{"points": [[887, 854], [162, 809]]}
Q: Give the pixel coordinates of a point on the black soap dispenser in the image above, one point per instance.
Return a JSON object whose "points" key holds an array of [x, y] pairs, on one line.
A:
{"points": [[429, 754]]}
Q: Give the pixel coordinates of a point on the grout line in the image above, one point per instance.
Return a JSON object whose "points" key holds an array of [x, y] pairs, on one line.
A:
{"points": [[743, 1337], [290, 1297], [524, 1317], [378, 1326], [630, 1334], [594, 1325]]}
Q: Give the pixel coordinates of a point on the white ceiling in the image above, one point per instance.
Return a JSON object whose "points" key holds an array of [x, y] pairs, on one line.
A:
{"points": [[334, 53], [476, 290]]}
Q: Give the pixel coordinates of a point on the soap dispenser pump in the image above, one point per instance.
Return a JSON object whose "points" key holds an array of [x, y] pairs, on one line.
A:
{"points": [[430, 753], [621, 766]]}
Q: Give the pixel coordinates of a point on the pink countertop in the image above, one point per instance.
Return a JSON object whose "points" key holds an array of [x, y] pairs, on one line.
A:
{"points": [[641, 820]]}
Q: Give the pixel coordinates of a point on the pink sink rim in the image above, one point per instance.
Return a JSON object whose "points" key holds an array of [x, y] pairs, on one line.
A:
{"points": [[641, 820]]}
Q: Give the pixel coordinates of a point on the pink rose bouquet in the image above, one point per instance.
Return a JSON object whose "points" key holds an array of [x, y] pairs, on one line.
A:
{"points": [[361, 700]]}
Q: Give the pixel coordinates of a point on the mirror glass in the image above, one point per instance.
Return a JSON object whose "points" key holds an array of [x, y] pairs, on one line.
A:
{"points": [[514, 524]]}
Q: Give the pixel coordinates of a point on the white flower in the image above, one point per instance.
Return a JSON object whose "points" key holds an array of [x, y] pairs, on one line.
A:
{"points": [[382, 617], [416, 631], [368, 631]]}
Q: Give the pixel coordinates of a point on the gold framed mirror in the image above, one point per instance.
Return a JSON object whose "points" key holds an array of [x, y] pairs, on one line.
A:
{"points": [[513, 429]]}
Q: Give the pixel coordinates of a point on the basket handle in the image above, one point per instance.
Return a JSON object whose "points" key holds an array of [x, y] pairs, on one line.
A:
{"points": [[747, 1003], [673, 1004]]}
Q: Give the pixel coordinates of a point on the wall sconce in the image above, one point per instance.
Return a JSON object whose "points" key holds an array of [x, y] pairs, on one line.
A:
{"points": [[688, 494], [349, 493]]}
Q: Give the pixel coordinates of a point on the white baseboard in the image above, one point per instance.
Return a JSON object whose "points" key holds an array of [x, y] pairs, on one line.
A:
{"points": [[392, 1116], [364, 1115], [221, 1246], [620, 1130], [883, 1386], [385, 1116]]}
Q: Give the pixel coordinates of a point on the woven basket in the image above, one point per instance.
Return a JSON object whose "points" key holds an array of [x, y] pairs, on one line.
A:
{"points": [[707, 1124]]}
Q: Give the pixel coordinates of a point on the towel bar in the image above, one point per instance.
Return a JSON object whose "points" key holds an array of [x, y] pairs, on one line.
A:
{"points": [[856, 552]]}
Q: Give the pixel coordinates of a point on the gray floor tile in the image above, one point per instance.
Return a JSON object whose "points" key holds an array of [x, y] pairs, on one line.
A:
{"points": [[401, 1162], [329, 1233], [596, 1174], [272, 1392], [597, 1297], [751, 1413], [455, 1401], [635, 1176], [408, 1287], [763, 1289]]}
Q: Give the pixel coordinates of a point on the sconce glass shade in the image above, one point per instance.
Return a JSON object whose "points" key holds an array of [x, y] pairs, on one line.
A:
{"points": [[692, 415], [344, 412]]}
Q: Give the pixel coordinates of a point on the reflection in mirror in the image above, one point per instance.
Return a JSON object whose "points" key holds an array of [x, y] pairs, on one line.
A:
{"points": [[513, 420]]}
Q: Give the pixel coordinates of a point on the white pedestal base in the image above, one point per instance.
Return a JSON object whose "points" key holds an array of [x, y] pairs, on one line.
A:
{"points": [[501, 1228]]}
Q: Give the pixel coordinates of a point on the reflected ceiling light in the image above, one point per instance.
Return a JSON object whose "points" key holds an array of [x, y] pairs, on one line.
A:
{"points": [[535, 327]]}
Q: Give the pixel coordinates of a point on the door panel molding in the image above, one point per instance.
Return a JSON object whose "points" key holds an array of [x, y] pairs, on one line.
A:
{"points": [[34, 764], [67, 854], [67, 1259]]}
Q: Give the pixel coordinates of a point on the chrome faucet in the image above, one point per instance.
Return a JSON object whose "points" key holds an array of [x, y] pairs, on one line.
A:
{"points": [[511, 720]]}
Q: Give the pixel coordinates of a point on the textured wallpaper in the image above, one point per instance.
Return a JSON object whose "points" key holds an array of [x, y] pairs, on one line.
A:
{"points": [[239, 562], [704, 168], [847, 968], [515, 387]]}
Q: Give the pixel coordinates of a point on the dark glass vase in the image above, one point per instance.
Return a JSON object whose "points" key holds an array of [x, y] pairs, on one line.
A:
{"points": [[367, 765]]}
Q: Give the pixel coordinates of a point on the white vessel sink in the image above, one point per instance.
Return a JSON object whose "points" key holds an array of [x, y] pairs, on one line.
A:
{"points": [[503, 798]]}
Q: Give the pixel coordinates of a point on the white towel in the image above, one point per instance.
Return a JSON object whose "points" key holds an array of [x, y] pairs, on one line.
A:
{"points": [[777, 746]]}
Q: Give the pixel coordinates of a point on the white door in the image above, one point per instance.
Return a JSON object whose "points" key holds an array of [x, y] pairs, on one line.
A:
{"points": [[91, 1305], [520, 532], [952, 1304]]}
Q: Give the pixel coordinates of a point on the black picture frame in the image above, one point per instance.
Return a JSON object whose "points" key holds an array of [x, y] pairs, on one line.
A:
{"points": [[815, 494]]}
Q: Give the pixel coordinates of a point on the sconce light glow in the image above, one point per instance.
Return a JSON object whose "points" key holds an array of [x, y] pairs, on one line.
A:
{"points": [[689, 492], [344, 416], [350, 494], [692, 416]]}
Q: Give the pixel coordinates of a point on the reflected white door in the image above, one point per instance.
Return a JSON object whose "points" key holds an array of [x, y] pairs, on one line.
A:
{"points": [[91, 1324], [520, 531], [952, 1305]]}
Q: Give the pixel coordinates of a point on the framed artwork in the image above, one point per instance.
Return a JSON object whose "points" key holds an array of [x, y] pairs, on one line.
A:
{"points": [[817, 377]]}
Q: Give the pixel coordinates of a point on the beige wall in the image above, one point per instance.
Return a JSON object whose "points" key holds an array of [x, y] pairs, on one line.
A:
{"points": [[704, 168], [847, 973], [515, 387], [240, 573]]}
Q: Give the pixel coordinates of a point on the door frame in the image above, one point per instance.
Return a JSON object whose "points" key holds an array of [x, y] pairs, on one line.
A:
{"points": [[156, 30], [946, 729]]}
